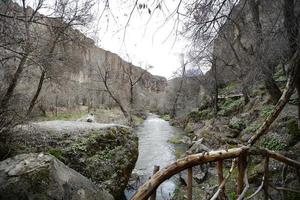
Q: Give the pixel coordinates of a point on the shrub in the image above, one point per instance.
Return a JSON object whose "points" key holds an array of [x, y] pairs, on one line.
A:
{"points": [[273, 143], [266, 110], [231, 106], [57, 153]]}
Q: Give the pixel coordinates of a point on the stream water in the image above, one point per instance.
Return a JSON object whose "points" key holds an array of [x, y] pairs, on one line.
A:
{"points": [[154, 149]]}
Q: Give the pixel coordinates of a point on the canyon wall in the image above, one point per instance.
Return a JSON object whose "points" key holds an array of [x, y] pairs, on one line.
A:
{"points": [[72, 74]]}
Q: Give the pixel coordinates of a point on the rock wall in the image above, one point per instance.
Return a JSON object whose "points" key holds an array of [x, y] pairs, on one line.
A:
{"points": [[239, 33], [72, 76]]}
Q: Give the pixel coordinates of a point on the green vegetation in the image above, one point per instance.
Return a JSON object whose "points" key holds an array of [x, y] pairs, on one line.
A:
{"points": [[232, 195], [266, 110], [175, 139], [293, 129], [57, 153], [237, 124], [273, 143], [231, 106], [252, 128], [137, 120], [197, 116], [166, 117], [227, 88]]}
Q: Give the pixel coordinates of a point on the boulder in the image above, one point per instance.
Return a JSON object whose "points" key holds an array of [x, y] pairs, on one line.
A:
{"points": [[105, 153], [40, 176], [198, 147]]}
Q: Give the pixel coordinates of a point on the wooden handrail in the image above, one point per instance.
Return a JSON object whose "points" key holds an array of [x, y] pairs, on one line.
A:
{"points": [[145, 191]]}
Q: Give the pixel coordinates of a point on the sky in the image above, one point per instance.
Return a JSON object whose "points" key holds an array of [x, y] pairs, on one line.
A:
{"points": [[147, 41]]}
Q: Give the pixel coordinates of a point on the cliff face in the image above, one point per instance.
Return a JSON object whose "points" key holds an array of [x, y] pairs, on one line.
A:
{"points": [[72, 73], [235, 45]]}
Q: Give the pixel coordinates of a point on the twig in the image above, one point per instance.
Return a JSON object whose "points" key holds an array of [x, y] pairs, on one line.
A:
{"points": [[242, 195], [258, 189], [296, 190], [215, 196]]}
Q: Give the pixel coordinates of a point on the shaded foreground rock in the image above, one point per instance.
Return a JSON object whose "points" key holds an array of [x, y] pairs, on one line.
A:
{"points": [[40, 176], [105, 153]]}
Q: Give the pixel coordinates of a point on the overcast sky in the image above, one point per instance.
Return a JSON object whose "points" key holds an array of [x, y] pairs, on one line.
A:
{"points": [[147, 41]]}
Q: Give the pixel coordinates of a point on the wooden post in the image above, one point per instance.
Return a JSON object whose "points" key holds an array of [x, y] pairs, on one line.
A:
{"points": [[156, 169], [190, 183], [220, 178], [266, 181], [242, 164]]}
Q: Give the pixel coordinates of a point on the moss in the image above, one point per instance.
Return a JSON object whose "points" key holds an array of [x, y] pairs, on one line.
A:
{"points": [[230, 106], [175, 139], [57, 153], [227, 88], [266, 110], [166, 117], [232, 195], [293, 128], [273, 143], [238, 124], [251, 128], [137, 120], [197, 116], [38, 182]]}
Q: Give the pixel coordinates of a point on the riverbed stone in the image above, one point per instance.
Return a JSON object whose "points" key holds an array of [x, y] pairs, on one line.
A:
{"points": [[105, 153], [40, 176]]}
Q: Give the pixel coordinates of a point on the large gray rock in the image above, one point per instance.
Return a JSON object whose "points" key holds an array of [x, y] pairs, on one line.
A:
{"points": [[40, 176], [105, 153]]}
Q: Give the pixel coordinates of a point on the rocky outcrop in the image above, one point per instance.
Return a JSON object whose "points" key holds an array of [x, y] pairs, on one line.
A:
{"points": [[105, 153], [40, 176]]}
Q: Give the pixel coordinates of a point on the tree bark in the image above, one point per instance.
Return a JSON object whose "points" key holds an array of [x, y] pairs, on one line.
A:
{"points": [[216, 90], [13, 82], [272, 89], [174, 107], [37, 93]]}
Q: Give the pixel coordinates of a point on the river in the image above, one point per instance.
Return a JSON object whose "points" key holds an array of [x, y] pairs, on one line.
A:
{"points": [[154, 149]]}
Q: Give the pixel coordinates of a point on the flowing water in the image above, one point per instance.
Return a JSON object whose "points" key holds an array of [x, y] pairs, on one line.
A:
{"points": [[154, 149]]}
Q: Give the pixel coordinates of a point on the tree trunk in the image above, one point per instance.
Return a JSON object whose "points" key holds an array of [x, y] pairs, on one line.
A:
{"points": [[174, 108], [292, 30], [37, 93], [273, 89], [125, 113], [216, 90], [13, 82], [245, 93]]}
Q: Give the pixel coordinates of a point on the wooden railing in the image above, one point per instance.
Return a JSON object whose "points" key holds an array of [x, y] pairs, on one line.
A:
{"points": [[239, 156]]}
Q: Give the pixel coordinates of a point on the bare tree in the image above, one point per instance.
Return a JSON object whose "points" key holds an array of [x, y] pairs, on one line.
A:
{"points": [[60, 26], [22, 45], [179, 89], [104, 73], [133, 80]]}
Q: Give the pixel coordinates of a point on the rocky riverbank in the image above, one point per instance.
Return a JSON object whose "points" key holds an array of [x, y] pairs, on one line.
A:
{"points": [[104, 153], [234, 124]]}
